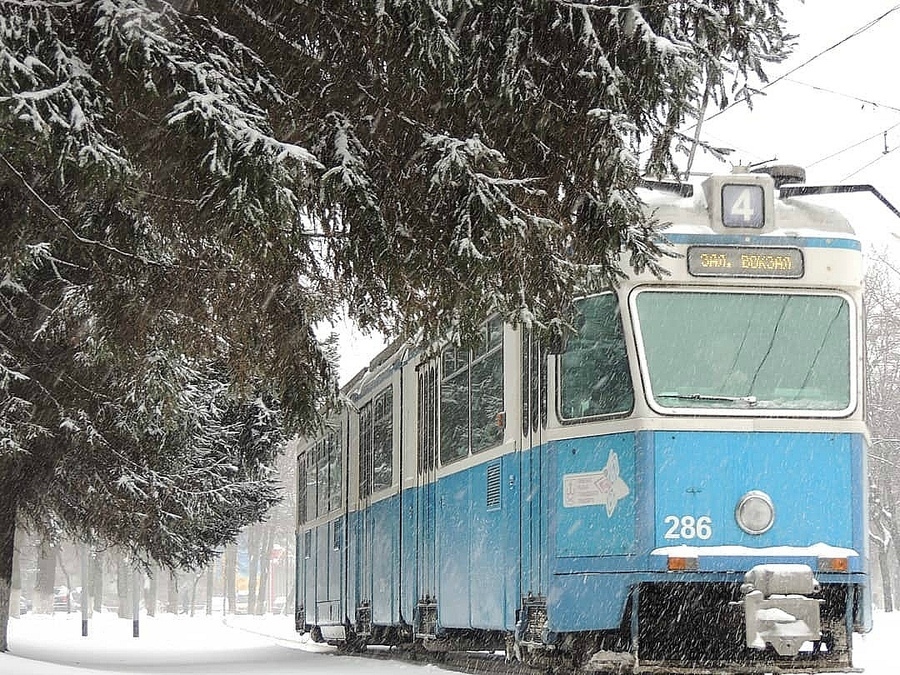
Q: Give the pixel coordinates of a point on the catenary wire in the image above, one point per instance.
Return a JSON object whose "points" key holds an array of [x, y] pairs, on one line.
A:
{"points": [[857, 32], [866, 166], [826, 90], [854, 145]]}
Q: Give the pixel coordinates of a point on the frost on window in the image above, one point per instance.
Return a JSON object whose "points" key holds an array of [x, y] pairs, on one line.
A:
{"points": [[594, 375], [750, 351]]}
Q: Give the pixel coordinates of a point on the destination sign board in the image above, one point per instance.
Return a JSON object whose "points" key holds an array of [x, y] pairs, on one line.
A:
{"points": [[745, 261]]}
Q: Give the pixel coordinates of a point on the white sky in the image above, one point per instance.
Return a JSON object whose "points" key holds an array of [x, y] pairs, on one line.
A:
{"points": [[52, 645], [797, 124], [800, 125]]}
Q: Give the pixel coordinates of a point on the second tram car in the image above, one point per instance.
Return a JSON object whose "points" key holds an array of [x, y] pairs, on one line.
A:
{"points": [[682, 485]]}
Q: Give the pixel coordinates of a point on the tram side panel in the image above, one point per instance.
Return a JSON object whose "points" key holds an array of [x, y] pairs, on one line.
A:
{"points": [[494, 544], [384, 523]]}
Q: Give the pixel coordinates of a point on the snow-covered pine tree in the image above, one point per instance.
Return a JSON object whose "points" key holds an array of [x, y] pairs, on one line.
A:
{"points": [[194, 182]]}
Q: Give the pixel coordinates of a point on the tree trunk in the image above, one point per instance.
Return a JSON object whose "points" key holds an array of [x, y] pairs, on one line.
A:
{"points": [[68, 578], [209, 588], [46, 578], [97, 581], [268, 539], [229, 574], [886, 585], [290, 570], [253, 544], [150, 597], [172, 594], [7, 547], [196, 581], [16, 590], [123, 588]]}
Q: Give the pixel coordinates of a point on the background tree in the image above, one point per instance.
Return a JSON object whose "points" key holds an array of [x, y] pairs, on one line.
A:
{"points": [[883, 417], [188, 187]]}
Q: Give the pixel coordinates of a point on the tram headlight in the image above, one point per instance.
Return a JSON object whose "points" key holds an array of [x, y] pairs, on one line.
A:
{"points": [[755, 513]]}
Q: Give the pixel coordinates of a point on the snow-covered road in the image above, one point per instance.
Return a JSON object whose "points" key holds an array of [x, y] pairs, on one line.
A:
{"points": [[42, 645]]}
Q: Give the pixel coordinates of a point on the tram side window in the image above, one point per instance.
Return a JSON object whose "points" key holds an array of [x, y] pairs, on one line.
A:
{"points": [[594, 375], [472, 396], [333, 449], [319, 488], [487, 389], [454, 404], [311, 486], [301, 489], [534, 382], [365, 450], [382, 441], [322, 476], [376, 438], [427, 418]]}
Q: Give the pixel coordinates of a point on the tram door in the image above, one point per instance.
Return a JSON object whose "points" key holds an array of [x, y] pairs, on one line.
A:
{"points": [[377, 526], [533, 570], [426, 502]]}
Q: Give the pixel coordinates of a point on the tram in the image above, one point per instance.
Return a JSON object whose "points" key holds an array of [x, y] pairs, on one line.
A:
{"points": [[680, 484]]}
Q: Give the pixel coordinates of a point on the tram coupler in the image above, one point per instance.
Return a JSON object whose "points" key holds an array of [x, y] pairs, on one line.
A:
{"points": [[777, 609]]}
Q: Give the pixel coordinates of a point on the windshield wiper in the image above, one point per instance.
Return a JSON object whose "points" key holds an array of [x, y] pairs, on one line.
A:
{"points": [[749, 400]]}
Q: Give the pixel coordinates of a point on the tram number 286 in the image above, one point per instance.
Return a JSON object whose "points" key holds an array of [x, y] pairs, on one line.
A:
{"points": [[688, 527]]}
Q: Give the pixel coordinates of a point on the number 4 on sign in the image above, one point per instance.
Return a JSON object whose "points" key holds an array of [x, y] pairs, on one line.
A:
{"points": [[743, 206]]}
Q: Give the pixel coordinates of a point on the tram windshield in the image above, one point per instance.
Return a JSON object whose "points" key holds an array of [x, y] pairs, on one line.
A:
{"points": [[746, 351]]}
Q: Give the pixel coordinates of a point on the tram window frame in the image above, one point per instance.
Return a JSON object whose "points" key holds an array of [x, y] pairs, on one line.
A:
{"points": [[376, 443], [617, 365], [457, 394]]}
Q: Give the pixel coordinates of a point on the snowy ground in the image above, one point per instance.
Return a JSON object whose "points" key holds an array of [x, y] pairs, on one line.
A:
{"points": [[52, 645]]}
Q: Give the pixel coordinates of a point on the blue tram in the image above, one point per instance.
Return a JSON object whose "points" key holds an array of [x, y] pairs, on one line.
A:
{"points": [[680, 485]]}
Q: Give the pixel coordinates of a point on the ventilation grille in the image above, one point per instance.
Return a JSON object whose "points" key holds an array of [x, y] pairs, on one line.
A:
{"points": [[493, 486], [535, 620]]}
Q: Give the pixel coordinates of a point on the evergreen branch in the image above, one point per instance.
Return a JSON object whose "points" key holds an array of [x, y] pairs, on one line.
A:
{"points": [[65, 222]]}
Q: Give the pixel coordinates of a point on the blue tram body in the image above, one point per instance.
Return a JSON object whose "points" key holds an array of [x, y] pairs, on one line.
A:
{"points": [[683, 485]]}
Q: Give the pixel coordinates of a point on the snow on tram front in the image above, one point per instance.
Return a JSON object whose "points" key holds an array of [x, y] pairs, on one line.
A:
{"points": [[681, 486]]}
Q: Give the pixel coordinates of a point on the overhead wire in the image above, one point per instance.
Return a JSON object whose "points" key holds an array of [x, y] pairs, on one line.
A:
{"points": [[854, 145], [786, 77], [866, 166], [826, 90], [855, 33]]}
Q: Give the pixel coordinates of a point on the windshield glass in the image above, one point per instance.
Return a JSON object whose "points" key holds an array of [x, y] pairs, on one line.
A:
{"points": [[745, 350]]}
